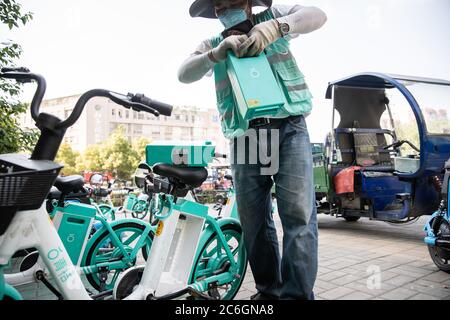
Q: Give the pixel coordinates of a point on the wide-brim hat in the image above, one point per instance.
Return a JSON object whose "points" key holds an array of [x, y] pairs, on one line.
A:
{"points": [[205, 8]]}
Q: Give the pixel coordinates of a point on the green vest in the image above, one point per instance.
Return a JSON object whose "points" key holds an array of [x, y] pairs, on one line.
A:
{"points": [[287, 73]]}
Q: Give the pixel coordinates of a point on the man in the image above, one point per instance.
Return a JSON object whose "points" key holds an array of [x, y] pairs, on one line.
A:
{"points": [[291, 276]]}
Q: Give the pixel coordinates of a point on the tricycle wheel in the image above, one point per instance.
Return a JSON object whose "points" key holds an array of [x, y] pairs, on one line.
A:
{"points": [[406, 221], [441, 256], [351, 218]]}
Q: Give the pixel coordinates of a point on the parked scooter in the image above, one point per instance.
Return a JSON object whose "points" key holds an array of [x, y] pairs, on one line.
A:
{"points": [[438, 228]]}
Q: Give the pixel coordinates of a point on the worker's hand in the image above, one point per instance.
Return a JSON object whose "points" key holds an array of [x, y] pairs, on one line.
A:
{"points": [[230, 43], [259, 38]]}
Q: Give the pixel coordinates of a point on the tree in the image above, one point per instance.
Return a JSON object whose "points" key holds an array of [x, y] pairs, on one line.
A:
{"points": [[12, 137], [116, 155], [92, 159], [68, 157], [120, 158], [139, 147]]}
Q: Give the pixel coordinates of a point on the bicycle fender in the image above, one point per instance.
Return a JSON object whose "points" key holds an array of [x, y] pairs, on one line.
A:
{"points": [[209, 230]]}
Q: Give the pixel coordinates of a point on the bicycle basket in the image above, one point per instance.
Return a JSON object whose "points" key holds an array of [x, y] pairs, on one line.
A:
{"points": [[25, 183]]}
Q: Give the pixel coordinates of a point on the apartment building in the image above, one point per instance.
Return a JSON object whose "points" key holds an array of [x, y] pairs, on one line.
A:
{"points": [[102, 116]]}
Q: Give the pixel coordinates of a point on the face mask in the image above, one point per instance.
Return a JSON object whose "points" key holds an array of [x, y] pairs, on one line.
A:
{"points": [[232, 17]]}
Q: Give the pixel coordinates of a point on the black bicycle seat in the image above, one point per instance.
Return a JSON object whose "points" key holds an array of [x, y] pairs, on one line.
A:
{"points": [[69, 184], [191, 176]]}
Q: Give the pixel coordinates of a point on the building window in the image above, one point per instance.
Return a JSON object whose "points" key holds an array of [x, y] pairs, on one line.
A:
{"points": [[137, 129], [112, 127], [127, 114], [113, 112], [141, 116], [155, 129]]}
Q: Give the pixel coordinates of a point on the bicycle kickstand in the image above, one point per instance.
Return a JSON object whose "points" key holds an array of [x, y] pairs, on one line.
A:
{"points": [[41, 277]]}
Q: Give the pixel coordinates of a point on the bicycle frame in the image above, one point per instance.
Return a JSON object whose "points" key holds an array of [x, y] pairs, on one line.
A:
{"points": [[34, 229], [77, 244]]}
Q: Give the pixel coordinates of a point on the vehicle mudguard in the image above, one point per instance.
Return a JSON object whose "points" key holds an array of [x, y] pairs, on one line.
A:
{"points": [[209, 230]]}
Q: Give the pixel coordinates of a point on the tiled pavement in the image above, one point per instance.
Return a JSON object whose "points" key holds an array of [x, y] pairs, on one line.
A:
{"points": [[359, 261], [372, 260]]}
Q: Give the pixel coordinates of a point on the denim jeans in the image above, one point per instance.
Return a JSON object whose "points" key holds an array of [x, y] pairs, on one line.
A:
{"points": [[292, 274]]}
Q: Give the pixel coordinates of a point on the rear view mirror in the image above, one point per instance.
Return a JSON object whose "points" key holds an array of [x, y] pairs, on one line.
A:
{"points": [[139, 182], [141, 172], [96, 179], [144, 166]]}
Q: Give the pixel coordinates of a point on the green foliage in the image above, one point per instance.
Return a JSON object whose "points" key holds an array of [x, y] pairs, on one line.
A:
{"points": [[120, 158], [12, 137], [68, 158], [116, 155], [139, 147], [11, 14], [92, 159]]}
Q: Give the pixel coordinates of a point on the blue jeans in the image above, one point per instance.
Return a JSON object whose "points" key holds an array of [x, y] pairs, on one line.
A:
{"points": [[292, 275]]}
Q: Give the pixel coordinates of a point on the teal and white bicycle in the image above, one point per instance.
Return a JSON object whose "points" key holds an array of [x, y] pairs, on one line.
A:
{"points": [[195, 252], [100, 253]]}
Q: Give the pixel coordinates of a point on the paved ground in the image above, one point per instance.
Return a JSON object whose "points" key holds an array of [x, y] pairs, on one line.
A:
{"points": [[359, 260], [372, 260]]}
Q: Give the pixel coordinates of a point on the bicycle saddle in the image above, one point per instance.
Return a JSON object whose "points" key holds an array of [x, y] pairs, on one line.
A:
{"points": [[69, 184], [191, 176]]}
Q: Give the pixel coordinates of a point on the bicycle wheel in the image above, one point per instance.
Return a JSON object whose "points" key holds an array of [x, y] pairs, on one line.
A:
{"points": [[103, 251], [139, 210], [212, 258], [441, 256]]}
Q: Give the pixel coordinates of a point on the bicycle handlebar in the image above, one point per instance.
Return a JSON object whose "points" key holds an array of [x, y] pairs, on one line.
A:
{"points": [[121, 99], [163, 108], [24, 75], [137, 102]]}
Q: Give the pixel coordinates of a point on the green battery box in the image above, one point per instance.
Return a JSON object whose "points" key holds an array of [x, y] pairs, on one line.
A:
{"points": [[188, 154], [255, 88]]}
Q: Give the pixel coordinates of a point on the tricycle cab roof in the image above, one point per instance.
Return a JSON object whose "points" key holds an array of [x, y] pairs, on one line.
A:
{"points": [[435, 148], [380, 81]]}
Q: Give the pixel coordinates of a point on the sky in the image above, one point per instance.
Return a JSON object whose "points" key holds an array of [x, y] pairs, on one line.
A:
{"points": [[138, 46]]}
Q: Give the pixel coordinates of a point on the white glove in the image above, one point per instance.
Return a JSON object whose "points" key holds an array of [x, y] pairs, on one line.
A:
{"points": [[232, 42], [259, 38]]}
